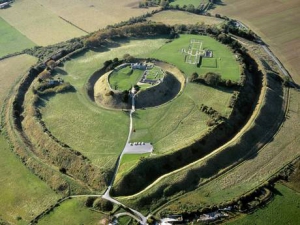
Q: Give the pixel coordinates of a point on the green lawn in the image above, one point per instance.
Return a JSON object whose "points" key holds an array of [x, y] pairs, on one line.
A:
{"points": [[284, 209], [22, 194], [181, 3], [179, 122], [11, 40], [97, 133], [73, 212], [124, 79], [223, 61]]}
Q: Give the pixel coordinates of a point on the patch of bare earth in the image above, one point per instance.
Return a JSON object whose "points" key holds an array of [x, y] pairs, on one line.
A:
{"points": [[277, 22]]}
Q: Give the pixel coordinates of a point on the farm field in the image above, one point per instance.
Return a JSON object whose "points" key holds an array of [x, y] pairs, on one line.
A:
{"points": [[44, 28], [23, 195], [284, 209], [12, 69], [98, 127], [226, 62], [73, 211], [276, 22], [181, 3], [11, 40], [92, 15], [172, 17]]}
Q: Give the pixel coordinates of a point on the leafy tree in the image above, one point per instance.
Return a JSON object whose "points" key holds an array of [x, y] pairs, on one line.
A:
{"points": [[212, 78], [103, 205]]}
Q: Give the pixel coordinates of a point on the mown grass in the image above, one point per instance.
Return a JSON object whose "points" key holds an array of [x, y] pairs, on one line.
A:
{"points": [[227, 65], [172, 17], [97, 133], [72, 212], [23, 195], [284, 209], [11, 40], [123, 79]]}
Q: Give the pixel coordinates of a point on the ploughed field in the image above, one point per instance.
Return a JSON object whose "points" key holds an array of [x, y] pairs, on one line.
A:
{"points": [[277, 22]]}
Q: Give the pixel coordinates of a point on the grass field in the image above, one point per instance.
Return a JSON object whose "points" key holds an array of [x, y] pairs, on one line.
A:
{"points": [[11, 40], [227, 65], [181, 3], [83, 13], [11, 69], [180, 122], [23, 195], [99, 128], [172, 17], [284, 209], [44, 28], [123, 80], [73, 212], [276, 22]]}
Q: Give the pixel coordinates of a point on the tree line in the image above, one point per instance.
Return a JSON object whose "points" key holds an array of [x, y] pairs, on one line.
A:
{"points": [[101, 37]]}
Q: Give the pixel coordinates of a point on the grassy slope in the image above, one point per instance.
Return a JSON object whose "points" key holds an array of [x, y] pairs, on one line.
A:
{"points": [[21, 193], [228, 67], [11, 40], [173, 17], [72, 212], [44, 28], [277, 22], [284, 209], [99, 128], [180, 122]]}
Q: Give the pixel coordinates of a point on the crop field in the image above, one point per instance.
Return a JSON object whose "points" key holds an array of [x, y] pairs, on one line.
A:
{"points": [[11, 40], [123, 79], [93, 15], [173, 53], [284, 209], [44, 28], [11, 69], [276, 22], [172, 17], [98, 127], [73, 211], [196, 3]]}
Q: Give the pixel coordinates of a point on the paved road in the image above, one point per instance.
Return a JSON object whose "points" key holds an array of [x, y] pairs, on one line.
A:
{"points": [[282, 69]]}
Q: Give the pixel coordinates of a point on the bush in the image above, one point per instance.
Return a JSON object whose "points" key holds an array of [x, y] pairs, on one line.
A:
{"points": [[103, 205]]}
